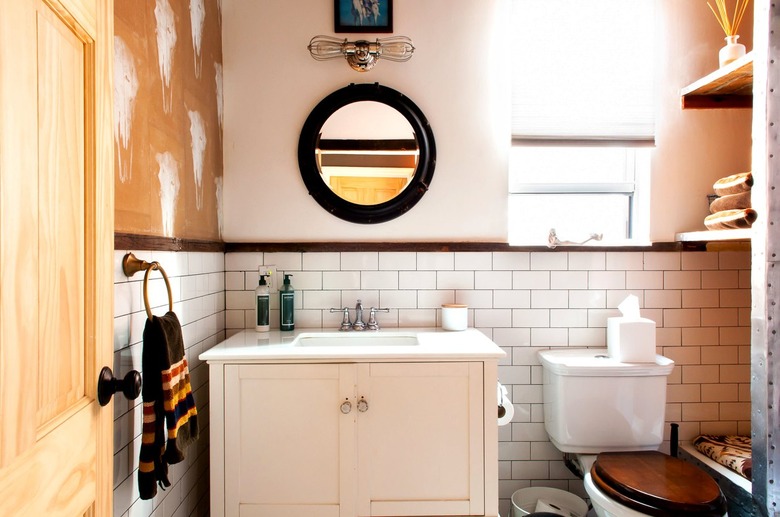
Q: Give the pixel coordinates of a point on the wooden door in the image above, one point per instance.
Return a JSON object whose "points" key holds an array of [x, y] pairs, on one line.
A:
{"points": [[289, 447], [367, 190], [56, 249], [421, 439]]}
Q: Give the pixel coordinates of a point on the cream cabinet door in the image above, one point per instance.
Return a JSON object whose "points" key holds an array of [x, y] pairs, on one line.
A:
{"points": [[56, 252], [347, 440], [289, 442], [420, 439]]}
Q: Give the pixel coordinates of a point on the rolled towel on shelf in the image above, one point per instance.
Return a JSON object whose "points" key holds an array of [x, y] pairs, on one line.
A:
{"points": [[731, 202], [731, 219], [733, 184]]}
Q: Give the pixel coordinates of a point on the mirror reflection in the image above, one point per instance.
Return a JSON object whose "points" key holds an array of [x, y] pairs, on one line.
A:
{"points": [[367, 152]]}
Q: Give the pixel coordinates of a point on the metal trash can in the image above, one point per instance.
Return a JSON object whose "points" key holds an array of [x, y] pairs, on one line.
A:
{"points": [[547, 501]]}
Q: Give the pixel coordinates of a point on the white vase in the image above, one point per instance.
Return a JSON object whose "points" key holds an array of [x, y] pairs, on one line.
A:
{"points": [[732, 51]]}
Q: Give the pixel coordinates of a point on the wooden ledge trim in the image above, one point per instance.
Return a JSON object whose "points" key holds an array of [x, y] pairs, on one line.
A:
{"points": [[126, 241], [129, 241], [275, 247]]}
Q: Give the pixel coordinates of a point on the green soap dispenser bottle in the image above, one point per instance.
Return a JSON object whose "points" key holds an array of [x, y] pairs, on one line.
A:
{"points": [[287, 305], [262, 306]]}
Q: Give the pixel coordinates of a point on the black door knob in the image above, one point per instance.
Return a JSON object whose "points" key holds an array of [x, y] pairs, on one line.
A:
{"points": [[108, 385]]}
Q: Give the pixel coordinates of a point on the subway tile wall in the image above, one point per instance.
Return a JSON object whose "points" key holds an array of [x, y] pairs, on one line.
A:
{"points": [[524, 301], [198, 288], [529, 301]]}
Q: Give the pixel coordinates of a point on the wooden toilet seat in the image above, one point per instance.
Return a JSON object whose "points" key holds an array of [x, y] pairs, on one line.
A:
{"points": [[653, 483]]}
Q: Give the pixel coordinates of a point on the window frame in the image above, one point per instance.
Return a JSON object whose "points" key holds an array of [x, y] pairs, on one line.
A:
{"points": [[639, 156], [637, 168]]}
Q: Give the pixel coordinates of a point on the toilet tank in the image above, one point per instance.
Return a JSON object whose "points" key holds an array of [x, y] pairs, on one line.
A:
{"points": [[594, 403]]}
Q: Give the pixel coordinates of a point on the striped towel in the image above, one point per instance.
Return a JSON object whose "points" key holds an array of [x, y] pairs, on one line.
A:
{"points": [[169, 413]]}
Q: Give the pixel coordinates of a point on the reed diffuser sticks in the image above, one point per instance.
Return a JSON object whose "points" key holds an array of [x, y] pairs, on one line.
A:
{"points": [[729, 25]]}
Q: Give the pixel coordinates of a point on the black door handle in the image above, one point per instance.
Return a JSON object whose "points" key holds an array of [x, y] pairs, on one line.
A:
{"points": [[108, 385]]}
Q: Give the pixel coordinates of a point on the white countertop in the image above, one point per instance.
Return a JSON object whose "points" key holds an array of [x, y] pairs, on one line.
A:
{"points": [[434, 344]]}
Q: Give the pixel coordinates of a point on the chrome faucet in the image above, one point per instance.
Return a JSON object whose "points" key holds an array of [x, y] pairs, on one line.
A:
{"points": [[373, 324], [359, 324], [345, 323]]}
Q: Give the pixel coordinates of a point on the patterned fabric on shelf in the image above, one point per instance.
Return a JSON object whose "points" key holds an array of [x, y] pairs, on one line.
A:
{"points": [[731, 451]]}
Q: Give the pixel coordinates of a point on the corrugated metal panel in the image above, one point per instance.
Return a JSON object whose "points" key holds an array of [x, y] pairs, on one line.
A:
{"points": [[765, 348]]}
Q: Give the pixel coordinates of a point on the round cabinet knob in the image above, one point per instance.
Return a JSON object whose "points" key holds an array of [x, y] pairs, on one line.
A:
{"points": [[362, 405], [130, 385], [346, 407]]}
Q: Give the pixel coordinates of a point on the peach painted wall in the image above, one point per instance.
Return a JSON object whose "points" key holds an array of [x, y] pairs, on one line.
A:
{"points": [[457, 77], [168, 118]]}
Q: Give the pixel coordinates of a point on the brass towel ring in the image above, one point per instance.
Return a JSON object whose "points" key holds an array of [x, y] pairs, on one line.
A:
{"points": [[131, 265]]}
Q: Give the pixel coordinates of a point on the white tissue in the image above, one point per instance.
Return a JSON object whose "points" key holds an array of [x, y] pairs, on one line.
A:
{"points": [[503, 400], [631, 338], [629, 307]]}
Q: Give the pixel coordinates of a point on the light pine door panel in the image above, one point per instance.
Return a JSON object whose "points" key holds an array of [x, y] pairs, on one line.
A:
{"points": [[56, 243], [61, 344]]}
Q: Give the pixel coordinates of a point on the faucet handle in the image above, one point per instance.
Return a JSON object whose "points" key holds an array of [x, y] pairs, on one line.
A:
{"points": [[345, 323], [373, 324]]}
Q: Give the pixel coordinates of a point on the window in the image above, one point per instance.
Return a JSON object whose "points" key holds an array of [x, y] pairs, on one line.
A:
{"points": [[582, 120]]}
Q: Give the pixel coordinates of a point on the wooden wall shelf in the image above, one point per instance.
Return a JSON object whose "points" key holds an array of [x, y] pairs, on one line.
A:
{"points": [[715, 235], [730, 86], [727, 87]]}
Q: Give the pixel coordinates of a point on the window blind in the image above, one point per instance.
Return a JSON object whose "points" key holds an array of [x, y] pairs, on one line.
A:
{"points": [[583, 70]]}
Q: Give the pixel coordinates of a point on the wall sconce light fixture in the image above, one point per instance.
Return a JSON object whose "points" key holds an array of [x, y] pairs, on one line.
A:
{"points": [[361, 55]]}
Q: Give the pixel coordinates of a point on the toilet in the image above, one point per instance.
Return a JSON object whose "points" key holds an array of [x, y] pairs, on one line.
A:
{"points": [[610, 416]]}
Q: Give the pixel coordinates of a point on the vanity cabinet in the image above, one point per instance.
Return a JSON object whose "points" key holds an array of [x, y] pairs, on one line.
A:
{"points": [[352, 439], [319, 423]]}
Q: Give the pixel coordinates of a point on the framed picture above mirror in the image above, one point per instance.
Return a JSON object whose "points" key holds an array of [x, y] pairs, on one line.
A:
{"points": [[363, 15]]}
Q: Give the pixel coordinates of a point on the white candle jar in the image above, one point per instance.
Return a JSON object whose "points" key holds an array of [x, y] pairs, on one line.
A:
{"points": [[454, 316]]}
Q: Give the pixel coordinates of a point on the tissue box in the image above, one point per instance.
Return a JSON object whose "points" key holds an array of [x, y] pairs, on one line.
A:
{"points": [[631, 340]]}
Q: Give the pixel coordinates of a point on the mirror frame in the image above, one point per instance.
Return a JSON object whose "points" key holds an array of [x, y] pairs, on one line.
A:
{"points": [[321, 192]]}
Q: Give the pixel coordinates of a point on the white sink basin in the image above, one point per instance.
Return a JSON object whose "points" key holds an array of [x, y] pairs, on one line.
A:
{"points": [[353, 339], [331, 345]]}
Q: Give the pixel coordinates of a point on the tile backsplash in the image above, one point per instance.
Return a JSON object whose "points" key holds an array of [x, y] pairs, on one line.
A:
{"points": [[198, 289], [529, 301], [524, 301]]}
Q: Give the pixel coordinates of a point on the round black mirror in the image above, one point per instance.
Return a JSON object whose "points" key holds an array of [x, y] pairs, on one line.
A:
{"points": [[366, 153]]}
